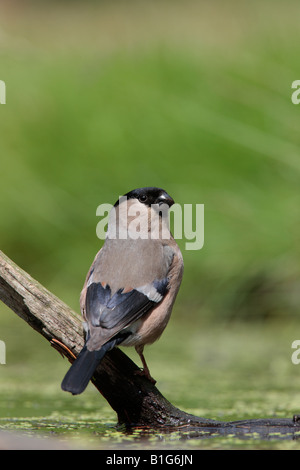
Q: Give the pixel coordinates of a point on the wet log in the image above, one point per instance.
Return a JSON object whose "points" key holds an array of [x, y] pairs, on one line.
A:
{"points": [[136, 401]]}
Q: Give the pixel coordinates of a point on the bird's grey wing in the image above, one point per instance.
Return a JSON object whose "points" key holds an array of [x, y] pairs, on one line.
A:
{"points": [[123, 307]]}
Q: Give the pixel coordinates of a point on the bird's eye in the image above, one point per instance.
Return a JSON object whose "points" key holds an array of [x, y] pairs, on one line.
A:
{"points": [[143, 198]]}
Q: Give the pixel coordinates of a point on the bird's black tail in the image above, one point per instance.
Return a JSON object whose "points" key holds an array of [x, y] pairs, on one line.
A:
{"points": [[84, 366], [81, 371]]}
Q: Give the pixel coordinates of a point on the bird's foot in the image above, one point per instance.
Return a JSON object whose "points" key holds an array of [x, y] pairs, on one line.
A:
{"points": [[145, 373], [62, 349]]}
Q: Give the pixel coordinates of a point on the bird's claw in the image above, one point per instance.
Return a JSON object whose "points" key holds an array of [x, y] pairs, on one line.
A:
{"points": [[145, 373], [62, 349]]}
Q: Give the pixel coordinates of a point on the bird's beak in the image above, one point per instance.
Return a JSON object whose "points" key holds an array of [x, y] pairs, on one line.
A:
{"points": [[164, 198]]}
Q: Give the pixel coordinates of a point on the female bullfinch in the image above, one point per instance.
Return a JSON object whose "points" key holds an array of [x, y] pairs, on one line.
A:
{"points": [[131, 286]]}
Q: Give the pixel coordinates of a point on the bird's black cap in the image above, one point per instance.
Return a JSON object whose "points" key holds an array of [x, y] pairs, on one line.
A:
{"points": [[149, 195]]}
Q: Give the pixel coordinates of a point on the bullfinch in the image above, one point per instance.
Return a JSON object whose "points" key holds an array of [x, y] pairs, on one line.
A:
{"points": [[131, 286]]}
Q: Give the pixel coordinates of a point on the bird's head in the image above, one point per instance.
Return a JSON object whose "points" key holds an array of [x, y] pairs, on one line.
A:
{"points": [[143, 212]]}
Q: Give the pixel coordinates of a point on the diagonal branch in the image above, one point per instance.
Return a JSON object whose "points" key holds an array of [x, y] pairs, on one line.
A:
{"points": [[134, 398], [136, 401]]}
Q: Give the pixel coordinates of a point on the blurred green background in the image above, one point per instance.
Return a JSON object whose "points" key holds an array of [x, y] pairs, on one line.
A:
{"points": [[195, 97]]}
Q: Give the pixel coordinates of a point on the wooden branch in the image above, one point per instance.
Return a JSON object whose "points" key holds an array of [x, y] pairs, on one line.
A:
{"points": [[136, 401]]}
